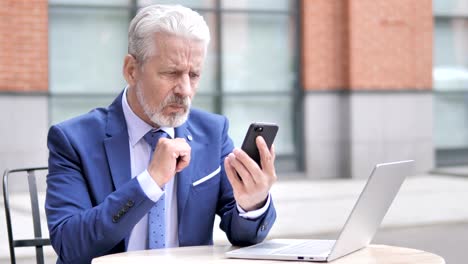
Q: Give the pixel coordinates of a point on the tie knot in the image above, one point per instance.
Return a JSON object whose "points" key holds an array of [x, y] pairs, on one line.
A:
{"points": [[152, 137]]}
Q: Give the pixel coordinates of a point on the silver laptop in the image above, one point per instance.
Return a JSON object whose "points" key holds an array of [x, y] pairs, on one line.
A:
{"points": [[358, 231]]}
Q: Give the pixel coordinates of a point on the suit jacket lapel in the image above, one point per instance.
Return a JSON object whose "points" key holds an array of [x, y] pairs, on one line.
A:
{"points": [[116, 145], [183, 179]]}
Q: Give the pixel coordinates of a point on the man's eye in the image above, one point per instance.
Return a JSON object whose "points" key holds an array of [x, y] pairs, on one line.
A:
{"points": [[194, 75]]}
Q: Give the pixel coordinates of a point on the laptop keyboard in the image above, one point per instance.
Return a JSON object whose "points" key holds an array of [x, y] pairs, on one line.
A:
{"points": [[312, 247], [270, 245]]}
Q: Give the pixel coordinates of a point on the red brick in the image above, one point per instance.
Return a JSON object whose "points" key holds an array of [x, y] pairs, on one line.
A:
{"points": [[367, 44], [23, 25], [325, 41]]}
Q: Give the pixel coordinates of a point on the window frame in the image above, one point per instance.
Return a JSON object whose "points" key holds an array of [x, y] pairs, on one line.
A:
{"points": [[290, 162]]}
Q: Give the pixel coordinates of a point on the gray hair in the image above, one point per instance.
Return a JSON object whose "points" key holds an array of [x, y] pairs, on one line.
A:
{"points": [[173, 19]]}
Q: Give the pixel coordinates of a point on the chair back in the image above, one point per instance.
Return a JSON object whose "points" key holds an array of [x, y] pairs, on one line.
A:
{"points": [[38, 241]]}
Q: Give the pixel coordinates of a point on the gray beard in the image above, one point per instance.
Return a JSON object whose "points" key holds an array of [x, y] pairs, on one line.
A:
{"points": [[156, 116]]}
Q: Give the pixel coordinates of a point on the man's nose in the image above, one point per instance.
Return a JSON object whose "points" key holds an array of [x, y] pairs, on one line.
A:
{"points": [[183, 86]]}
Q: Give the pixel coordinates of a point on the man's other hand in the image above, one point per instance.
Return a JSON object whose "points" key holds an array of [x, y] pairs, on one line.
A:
{"points": [[170, 156]]}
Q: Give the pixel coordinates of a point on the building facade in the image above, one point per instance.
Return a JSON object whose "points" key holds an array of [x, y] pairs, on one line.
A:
{"points": [[350, 83], [367, 75]]}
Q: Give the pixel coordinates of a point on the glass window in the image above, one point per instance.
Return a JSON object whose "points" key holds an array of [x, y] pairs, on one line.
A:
{"points": [[206, 102], [451, 53], [249, 76], [87, 44], [283, 5], [188, 3], [243, 110], [259, 74], [90, 3], [451, 120], [450, 7], [258, 53], [66, 107], [450, 80], [87, 47]]}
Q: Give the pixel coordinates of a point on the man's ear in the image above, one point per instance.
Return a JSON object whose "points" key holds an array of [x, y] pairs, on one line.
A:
{"points": [[130, 68]]}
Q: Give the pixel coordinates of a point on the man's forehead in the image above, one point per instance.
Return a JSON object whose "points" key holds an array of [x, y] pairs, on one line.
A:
{"points": [[172, 41], [181, 59], [178, 53]]}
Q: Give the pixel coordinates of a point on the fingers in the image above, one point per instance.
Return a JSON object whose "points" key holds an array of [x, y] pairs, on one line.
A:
{"points": [[170, 156], [176, 148], [273, 152], [250, 192], [182, 161], [232, 175], [182, 153], [241, 170], [249, 164], [267, 158]]}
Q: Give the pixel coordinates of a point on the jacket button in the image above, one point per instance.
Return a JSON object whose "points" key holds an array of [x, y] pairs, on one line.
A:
{"points": [[130, 203], [115, 219], [125, 209], [262, 228]]}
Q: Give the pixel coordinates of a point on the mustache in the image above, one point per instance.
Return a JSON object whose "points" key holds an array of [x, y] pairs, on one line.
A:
{"points": [[178, 100]]}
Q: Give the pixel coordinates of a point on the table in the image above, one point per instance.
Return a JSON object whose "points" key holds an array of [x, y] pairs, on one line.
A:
{"points": [[375, 254]]}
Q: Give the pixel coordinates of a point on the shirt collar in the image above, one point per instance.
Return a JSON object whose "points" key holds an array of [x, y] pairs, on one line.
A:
{"points": [[137, 128]]}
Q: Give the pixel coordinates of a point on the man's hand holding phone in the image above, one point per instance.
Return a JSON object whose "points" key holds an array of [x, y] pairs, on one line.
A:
{"points": [[251, 182]]}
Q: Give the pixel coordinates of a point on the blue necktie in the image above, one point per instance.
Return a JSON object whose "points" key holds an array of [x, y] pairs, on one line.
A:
{"points": [[156, 215]]}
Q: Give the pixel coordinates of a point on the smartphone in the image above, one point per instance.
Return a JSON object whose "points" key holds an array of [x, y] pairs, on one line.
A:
{"points": [[266, 130]]}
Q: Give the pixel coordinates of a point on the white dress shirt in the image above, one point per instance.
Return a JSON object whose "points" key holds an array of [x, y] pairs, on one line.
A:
{"points": [[140, 153]]}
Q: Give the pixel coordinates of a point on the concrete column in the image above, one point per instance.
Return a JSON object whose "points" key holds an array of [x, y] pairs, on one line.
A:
{"points": [[368, 80], [23, 131]]}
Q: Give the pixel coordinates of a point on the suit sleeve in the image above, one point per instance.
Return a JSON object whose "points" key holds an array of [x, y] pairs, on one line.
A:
{"points": [[78, 230], [240, 231]]}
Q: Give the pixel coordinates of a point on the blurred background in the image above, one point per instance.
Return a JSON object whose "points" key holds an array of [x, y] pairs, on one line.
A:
{"points": [[351, 83]]}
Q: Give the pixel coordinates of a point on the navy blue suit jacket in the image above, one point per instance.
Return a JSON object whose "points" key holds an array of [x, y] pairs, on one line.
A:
{"points": [[92, 203]]}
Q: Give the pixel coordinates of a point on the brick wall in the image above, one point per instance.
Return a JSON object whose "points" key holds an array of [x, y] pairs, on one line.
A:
{"points": [[325, 44], [23, 45], [367, 44]]}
